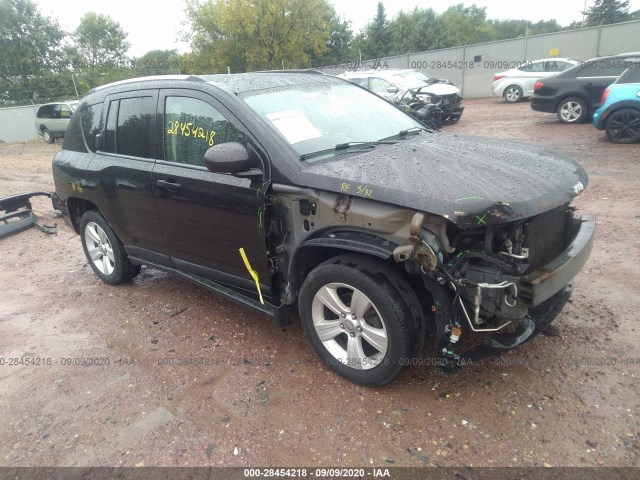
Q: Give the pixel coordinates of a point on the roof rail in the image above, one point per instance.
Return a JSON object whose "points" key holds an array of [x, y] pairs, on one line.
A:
{"points": [[194, 78], [297, 70]]}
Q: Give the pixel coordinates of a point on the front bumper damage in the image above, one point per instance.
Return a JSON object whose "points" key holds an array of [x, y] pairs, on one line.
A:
{"points": [[18, 215], [529, 302], [451, 116]]}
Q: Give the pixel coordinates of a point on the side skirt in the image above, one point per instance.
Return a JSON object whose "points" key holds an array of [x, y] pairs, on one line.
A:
{"points": [[279, 314]]}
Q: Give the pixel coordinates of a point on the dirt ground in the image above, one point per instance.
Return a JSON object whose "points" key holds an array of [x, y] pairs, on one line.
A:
{"points": [[161, 372]]}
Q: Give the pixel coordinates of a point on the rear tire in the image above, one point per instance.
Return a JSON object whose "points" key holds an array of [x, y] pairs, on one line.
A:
{"points": [[362, 318], [512, 94], [623, 126], [572, 110], [104, 251]]}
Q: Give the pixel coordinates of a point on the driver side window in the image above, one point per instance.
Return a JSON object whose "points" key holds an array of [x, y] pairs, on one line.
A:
{"points": [[378, 85], [191, 127]]}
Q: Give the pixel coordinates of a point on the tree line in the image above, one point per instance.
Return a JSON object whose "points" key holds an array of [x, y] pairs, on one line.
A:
{"points": [[40, 62]]}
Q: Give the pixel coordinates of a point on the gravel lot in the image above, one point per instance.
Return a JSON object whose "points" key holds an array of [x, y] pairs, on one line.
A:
{"points": [[257, 396]]}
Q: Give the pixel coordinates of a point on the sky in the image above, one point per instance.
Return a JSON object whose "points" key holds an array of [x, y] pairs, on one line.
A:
{"points": [[152, 25]]}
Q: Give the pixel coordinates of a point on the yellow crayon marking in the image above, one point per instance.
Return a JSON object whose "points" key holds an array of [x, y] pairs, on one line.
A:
{"points": [[252, 272]]}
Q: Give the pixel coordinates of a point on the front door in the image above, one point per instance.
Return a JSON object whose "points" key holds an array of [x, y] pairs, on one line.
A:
{"points": [[207, 217]]}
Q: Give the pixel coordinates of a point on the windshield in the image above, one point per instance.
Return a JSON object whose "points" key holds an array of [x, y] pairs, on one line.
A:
{"points": [[318, 117], [413, 77]]}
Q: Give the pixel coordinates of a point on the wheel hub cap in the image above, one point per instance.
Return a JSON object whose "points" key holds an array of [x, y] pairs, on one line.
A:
{"points": [[349, 326]]}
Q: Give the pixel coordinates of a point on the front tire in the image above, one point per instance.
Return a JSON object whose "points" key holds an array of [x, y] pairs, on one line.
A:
{"points": [[362, 318], [623, 126], [46, 134], [512, 94], [572, 110], [103, 249]]}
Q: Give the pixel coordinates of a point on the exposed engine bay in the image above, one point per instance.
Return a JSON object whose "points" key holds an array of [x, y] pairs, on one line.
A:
{"points": [[485, 280]]}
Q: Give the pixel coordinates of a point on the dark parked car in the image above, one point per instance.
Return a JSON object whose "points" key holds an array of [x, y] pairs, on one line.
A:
{"points": [[52, 119], [577, 92], [284, 188], [619, 114]]}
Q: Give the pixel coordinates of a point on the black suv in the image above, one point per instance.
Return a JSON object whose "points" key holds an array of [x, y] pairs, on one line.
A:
{"points": [[577, 92], [279, 188]]}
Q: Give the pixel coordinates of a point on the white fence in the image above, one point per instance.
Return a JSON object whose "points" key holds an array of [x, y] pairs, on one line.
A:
{"points": [[18, 124], [472, 67]]}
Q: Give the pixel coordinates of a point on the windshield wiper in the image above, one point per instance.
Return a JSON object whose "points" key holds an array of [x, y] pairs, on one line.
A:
{"points": [[404, 133], [341, 147], [344, 146]]}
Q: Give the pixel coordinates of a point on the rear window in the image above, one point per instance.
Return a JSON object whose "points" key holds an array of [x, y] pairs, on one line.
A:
{"points": [[631, 75], [73, 136], [91, 120]]}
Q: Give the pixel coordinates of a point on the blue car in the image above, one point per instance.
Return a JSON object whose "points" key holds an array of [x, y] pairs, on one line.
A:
{"points": [[619, 114]]}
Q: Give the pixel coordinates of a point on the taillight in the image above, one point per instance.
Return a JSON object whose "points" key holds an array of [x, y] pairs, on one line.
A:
{"points": [[538, 86], [605, 94], [498, 76]]}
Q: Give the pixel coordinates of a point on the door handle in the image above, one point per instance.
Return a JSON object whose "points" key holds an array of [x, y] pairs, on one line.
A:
{"points": [[169, 185]]}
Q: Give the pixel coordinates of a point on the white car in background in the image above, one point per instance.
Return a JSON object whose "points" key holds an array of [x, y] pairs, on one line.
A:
{"points": [[517, 83], [400, 86]]}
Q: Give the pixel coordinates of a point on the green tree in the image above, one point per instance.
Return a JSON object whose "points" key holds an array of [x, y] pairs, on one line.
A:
{"points": [[415, 31], [246, 35], [374, 41], [506, 29], [460, 25], [159, 62], [544, 26], [100, 41], [30, 47], [379, 34], [339, 48], [604, 12]]}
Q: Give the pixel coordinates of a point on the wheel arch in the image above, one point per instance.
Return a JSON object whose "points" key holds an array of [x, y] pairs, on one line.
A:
{"points": [[619, 106], [77, 207], [316, 251]]}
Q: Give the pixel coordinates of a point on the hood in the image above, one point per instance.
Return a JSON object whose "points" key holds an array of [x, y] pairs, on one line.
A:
{"points": [[472, 181], [440, 89]]}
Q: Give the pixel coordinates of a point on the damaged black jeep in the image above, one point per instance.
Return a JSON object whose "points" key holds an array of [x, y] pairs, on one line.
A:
{"points": [[283, 188]]}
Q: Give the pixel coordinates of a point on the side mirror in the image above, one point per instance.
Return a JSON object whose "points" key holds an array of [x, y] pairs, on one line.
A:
{"points": [[392, 90], [229, 157]]}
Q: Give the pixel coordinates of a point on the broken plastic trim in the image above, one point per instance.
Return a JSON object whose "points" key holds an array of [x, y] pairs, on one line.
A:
{"points": [[18, 215]]}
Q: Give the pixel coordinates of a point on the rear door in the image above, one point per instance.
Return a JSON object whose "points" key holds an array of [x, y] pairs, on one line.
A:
{"points": [[122, 170], [596, 76], [207, 217]]}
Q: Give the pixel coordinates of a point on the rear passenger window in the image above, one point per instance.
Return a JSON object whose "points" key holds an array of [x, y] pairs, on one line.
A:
{"points": [[91, 119], [191, 126], [533, 67], [134, 126], [603, 68], [632, 75], [129, 126]]}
